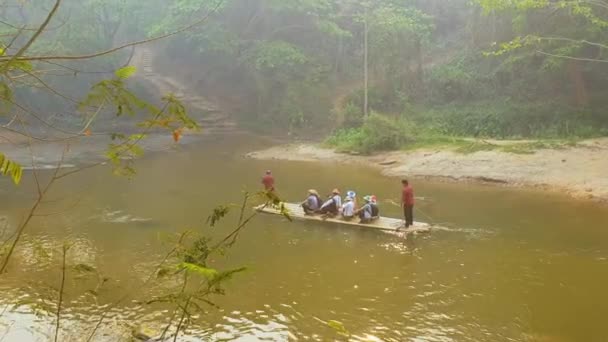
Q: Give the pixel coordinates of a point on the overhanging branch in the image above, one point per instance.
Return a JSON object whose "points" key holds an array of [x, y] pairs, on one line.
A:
{"points": [[107, 52]]}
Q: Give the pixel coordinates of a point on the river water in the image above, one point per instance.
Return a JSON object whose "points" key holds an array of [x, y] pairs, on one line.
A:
{"points": [[507, 264]]}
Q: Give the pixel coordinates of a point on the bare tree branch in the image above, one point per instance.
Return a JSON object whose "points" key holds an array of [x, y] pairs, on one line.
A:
{"points": [[150, 277], [29, 216], [37, 117], [581, 41], [107, 52], [572, 58], [61, 290], [51, 89], [13, 40], [33, 38], [3, 22], [29, 145]]}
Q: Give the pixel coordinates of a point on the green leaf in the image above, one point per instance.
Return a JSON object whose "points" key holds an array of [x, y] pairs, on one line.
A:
{"points": [[9, 167], [126, 72], [217, 215], [285, 212], [227, 275], [338, 327], [22, 65], [5, 92], [6, 96], [208, 273]]}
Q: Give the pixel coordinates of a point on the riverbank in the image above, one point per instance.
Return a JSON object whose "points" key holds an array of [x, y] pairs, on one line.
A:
{"points": [[579, 171]]}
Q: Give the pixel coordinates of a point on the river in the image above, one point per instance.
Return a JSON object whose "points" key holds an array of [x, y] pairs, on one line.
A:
{"points": [[507, 264]]}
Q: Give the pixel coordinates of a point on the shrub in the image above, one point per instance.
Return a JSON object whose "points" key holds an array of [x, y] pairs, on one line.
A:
{"points": [[353, 115], [507, 119], [378, 133]]}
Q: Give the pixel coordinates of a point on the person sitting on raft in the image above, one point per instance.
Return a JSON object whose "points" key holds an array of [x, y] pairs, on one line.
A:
{"points": [[375, 208], [312, 203], [365, 212], [333, 204], [352, 195], [348, 209]]}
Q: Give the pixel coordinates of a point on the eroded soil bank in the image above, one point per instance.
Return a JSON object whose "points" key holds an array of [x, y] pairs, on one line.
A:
{"points": [[580, 171]]}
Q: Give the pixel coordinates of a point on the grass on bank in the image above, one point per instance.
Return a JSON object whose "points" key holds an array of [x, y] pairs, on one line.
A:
{"points": [[383, 133]]}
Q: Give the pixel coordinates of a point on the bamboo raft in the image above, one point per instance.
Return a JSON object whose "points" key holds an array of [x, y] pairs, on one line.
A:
{"points": [[296, 212]]}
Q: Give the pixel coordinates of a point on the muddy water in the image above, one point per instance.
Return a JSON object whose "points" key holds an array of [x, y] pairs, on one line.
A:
{"points": [[510, 265]]}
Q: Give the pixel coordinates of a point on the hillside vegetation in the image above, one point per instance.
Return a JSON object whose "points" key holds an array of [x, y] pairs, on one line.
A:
{"points": [[428, 69], [502, 69]]}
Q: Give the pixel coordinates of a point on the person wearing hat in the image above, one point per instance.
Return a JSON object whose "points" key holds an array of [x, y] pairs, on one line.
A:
{"points": [[312, 203], [365, 212], [352, 195], [333, 204], [375, 209], [268, 181], [348, 209]]}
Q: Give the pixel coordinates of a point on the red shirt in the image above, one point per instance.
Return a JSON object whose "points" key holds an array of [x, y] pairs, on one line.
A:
{"points": [[407, 197], [268, 182]]}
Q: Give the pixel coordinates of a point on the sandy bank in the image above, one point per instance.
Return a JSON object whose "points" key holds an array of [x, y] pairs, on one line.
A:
{"points": [[580, 171]]}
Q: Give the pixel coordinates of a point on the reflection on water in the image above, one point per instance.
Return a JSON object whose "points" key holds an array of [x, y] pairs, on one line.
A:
{"points": [[119, 216], [506, 264]]}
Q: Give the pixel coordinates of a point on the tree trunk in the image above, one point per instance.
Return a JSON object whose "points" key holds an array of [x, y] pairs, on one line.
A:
{"points": [[365, 68], [581, 97], [419, 68], [337, 65]]}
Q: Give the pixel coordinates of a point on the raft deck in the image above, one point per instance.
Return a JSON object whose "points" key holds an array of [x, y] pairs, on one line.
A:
{"points": [[381, 223]]}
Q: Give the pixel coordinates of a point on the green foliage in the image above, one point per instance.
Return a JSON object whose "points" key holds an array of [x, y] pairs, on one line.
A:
{"points": [[11, 168], [16, 65], [338, 327], [125, 148], [514, 120], [113, 92], [399, 19], [449, 125], [587, 19], [378, 133], [6, 98], [125, 72], [277, 55], [457, 80], [331, 28], [218, 213], [197, 283], [208, 273], [352, 115], [490, 5], [122, 154], [298, 6], [282, 61], [588, 10]]}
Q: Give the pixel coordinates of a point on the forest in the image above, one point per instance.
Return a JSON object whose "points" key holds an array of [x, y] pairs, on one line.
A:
{"points": [[411, 69], [86, 255]]}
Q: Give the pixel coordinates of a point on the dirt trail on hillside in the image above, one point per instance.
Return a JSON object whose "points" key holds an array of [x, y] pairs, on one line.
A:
{"points": [[580, 171], [201, 109], [45, 154]]}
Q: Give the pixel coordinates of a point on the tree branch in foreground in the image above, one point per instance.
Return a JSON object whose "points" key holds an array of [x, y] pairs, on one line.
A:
{"points": [[107, 52], [33, 38]]}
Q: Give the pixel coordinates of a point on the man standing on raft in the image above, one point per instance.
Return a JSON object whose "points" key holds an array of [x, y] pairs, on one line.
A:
{"points": [[407, 202]]}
